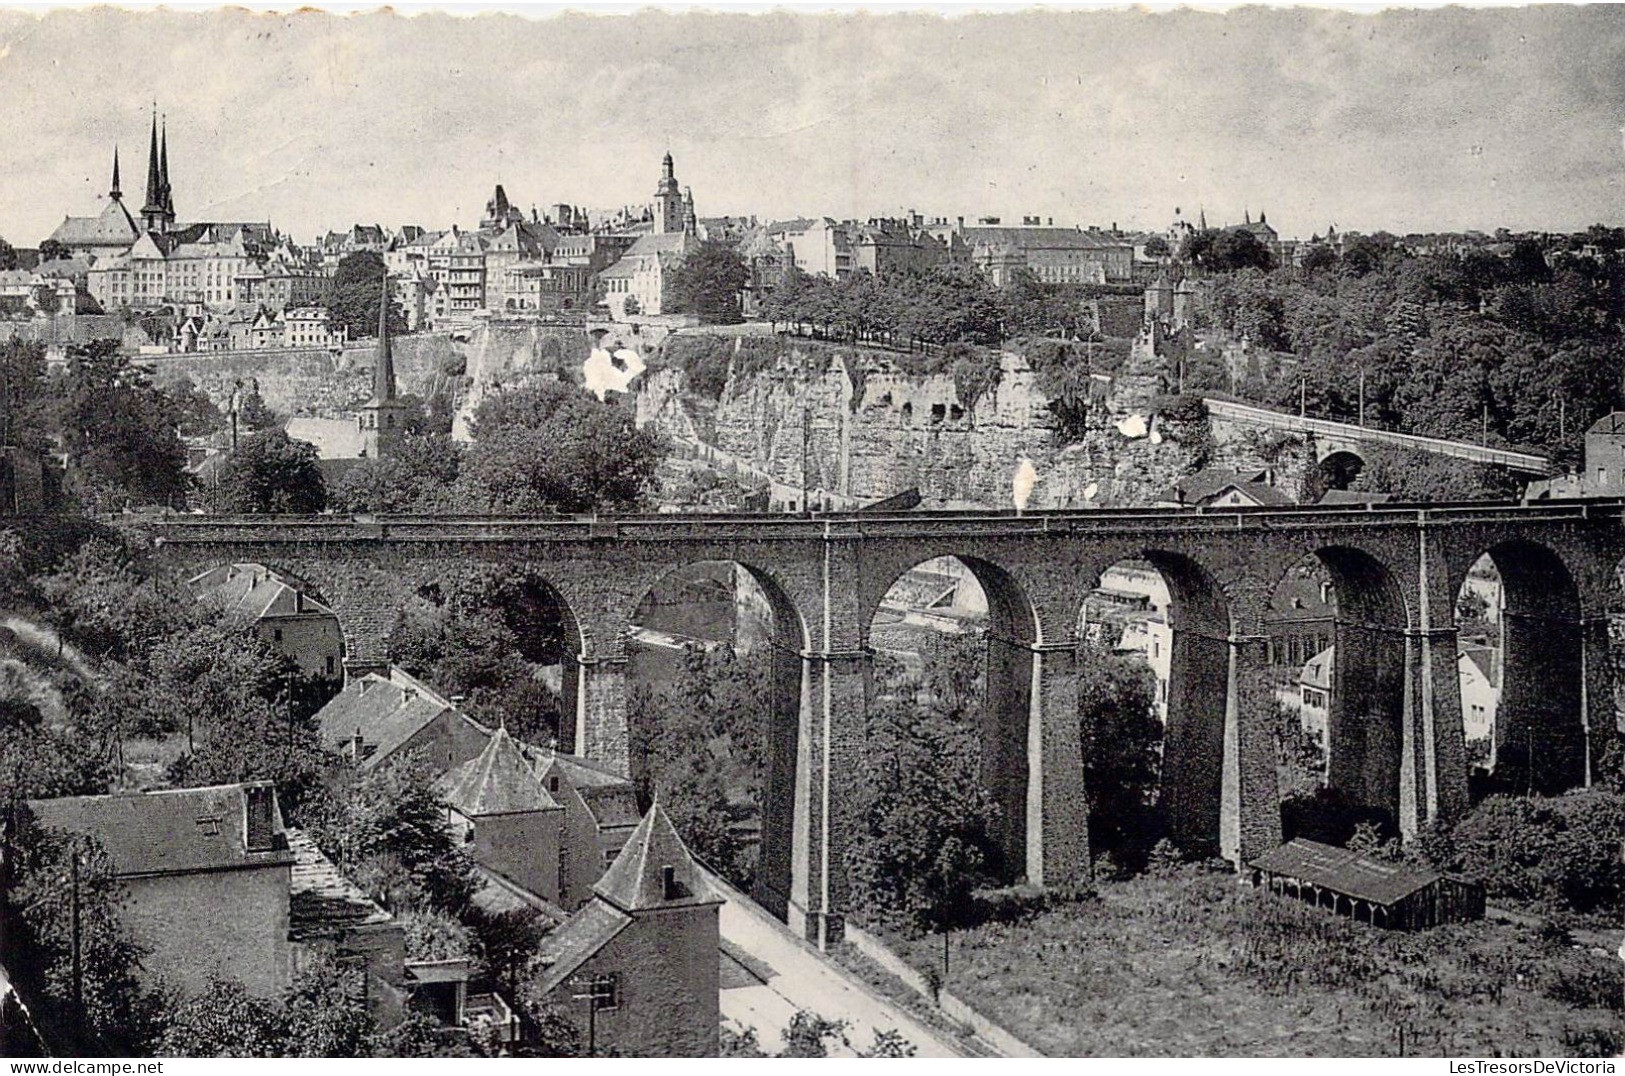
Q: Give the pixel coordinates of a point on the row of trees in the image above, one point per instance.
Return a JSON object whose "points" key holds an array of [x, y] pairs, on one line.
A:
{"points": [[949, 304], [1466, 345]]}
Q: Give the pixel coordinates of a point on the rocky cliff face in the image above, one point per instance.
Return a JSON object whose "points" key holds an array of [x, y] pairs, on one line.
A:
{"points": [[321, 385], [859, 428]]}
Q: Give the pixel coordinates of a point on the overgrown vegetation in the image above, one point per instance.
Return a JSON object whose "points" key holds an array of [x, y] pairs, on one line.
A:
{"points": [[1185, 963]]}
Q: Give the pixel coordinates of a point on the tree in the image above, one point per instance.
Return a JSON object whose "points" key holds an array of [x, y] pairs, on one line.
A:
{"points": [[195, 414], [1156, 246], [419, 476], [923, 841], [269, 473], [50, 250], [225, 1020], [556, 448], [1122, 754], [118, 1017], [709, 283], [8, 256], [117, 431], [352, 300], [386, 828], [1414, 475]]}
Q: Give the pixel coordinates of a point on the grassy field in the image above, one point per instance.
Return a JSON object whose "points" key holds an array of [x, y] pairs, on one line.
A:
{"points": [[1196, 965]]}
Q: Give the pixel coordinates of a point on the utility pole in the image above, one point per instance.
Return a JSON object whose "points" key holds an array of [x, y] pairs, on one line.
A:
{"points": [[597, 992], [1362, 396], [806, 456], [1303, 395], [1484, 426], [78, 963]]}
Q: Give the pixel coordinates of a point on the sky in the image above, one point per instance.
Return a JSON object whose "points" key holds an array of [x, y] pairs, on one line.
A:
{"points": [[1409, 120]]}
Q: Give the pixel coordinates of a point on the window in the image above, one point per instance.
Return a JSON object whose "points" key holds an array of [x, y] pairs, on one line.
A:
{"points": [[609, 857], [277, 634], [330, 665]]}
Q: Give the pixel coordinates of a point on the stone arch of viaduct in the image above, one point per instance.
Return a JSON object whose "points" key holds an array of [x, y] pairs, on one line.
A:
{"points": [[1396, 736]]}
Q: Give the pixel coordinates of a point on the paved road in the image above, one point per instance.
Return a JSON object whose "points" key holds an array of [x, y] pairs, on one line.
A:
{"points": [[779, 975]]}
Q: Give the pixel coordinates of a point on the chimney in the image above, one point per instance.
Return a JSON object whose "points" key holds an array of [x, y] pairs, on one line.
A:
{"points": [[668, 883], [362, 684], [408, 694], [259, 831], [298, 600]]}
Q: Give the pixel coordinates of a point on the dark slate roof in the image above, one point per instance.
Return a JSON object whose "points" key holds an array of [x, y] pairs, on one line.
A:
{"points": [[1039, 238], [1350, 873], [634, 882], [612, 806], [321, 901], [386, 711], [579, 940], [580, 772], [1210, 482], [172, 831], [255, 591], [497, 895], [113, 226], [498, 781]]}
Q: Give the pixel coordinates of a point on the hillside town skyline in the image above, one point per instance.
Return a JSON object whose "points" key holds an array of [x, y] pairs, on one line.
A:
{"points": [[1082, 134]]}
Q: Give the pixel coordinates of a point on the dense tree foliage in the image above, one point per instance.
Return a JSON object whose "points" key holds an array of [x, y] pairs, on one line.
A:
{"points": [[1122, 755], [923, 842], [117, 431], [554, 447], [709, 283], [1423, 476], [353, 297], [269, 472], [1522, 347], [116, 1014], [418, 477], [490, 638], [700, 740], [386, 828]]}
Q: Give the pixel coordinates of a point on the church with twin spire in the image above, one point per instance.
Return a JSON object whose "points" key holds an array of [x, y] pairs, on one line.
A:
{"points": [[115, 228]]}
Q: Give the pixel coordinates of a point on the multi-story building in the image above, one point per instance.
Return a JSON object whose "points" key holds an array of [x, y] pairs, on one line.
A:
{"points": [[292, 622], [456, 263], [312, 327], [643, 950], [206, 874], [817, 246]]}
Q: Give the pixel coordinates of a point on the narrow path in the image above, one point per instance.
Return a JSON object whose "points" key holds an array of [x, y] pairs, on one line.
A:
{"points": [[785, 975]]}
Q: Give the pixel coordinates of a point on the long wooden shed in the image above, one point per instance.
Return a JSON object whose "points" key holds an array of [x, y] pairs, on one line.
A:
{"points": [[1365, 888]]}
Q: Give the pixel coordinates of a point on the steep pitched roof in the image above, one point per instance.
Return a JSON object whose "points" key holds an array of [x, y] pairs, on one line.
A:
{"points": [[636, 881], [385, 711], [255, 591], [322, 901], [578, 940], [113, 226], [173, 831], [497, 781]]}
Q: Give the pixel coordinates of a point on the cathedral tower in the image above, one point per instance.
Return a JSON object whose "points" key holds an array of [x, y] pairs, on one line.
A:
{"points": [[668, 201]]}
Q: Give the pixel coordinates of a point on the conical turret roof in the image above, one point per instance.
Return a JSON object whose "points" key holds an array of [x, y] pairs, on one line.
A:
{"points": [[637, 880]]}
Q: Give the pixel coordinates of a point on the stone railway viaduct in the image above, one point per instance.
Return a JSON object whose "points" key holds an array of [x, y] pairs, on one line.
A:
{"points": [[1395, 725]]}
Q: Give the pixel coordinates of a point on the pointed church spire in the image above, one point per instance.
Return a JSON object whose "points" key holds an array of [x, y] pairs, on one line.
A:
{"points": [[1202, 219], [667, 170], [114, 192], [383, 367], [163, 169], [154, 207]]}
